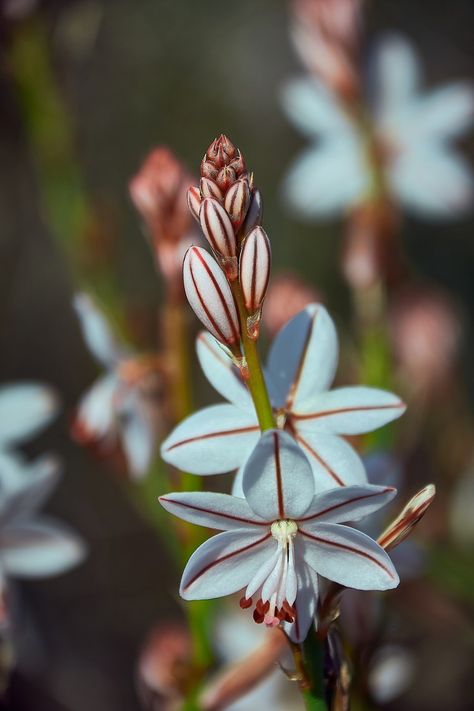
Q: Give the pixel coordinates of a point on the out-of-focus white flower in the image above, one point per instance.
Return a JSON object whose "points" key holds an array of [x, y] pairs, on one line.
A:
{"points": [[391, 672], [285, 533], [122, 404], [414, 134], [301, 367], [25, 409], [31, 545]]}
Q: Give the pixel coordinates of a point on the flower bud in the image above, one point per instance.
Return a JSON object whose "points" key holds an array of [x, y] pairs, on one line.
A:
{"points": [[210, 297], [225, 178], [237, 202], [238, 164], [254, 215], [221, 151], [217, 228], [401, 527], [209, 189], [194, 201], [255, 262], [208, 169]]}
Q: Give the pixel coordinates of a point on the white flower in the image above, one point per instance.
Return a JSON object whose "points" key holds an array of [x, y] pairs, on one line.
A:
{"points": [[414, 132], [25, 409], [120, 404], [285, 533], [32, 546], [301, 367]]}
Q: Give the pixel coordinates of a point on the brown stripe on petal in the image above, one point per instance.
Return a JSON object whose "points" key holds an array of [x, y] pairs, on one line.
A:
{"points": [[344, 503], [342, 410], [349, 549], [279, 481], [299, 370], [215, 513], [228, 556], [314, 454], [211, 435], [220, 334]]}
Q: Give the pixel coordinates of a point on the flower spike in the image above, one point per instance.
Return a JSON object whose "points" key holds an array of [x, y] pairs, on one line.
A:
{"points": [[210, 297]]}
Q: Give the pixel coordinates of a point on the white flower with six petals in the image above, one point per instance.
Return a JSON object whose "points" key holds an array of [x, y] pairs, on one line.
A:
{"points": [[285, 533]]}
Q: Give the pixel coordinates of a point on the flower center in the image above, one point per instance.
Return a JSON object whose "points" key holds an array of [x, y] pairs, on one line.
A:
{"points": [[276, 580]]}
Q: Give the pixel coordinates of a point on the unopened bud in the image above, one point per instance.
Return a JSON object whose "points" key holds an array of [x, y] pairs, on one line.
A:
{"points": [[209, 189], [210, 297], [208, 169], [238, 164], [221, 151], [225, 178], [255, 263], [401, 527], [194, 201], [217, 228], [254, 214], [237, 202]]}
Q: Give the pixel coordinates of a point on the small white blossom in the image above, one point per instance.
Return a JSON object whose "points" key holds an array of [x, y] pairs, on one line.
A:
{"points": [[277, 540], [301, 367], [121, 404], [25, 409], [414, 132]]}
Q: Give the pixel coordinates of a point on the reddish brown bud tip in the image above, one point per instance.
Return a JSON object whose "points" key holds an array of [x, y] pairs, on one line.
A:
{"points": [[238, 164], [208, 169], [225, 178]]}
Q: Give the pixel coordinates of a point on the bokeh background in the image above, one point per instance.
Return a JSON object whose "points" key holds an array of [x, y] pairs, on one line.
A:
{"points": [[87, 87]]}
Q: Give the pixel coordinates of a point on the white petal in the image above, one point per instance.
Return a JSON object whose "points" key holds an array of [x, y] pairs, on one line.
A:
{"points": [[278, 480], [214, 440], [432, 181], [225, 563], [326, 178], [39, 549], [96, 331], [237, 489], [96, 413], [334, 461], [212, 510], [219, 369], [303, 357], [443, 114], [24, 486], [306, 599], [312, 108], [346, 503], [210, 296], [25, 408], [397, 71], [138, 433], [351, 410], [348, 557]]}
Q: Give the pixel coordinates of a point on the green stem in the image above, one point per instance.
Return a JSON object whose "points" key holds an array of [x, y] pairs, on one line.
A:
{"points": [[313, 660], [256, 381]]}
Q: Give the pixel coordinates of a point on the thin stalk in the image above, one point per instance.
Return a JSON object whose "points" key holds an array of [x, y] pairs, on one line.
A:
{"points": [[256, 381]]}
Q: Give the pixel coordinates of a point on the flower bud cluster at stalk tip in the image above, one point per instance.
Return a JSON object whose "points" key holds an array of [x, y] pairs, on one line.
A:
{"points": [[229, 210]]}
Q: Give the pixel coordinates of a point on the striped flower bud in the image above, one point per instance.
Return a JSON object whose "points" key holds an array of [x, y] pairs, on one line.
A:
{"points": [[255, 262], [225, 178], [254, 215], [237, 202], [401, 527], [210, 297], [238, 164], [209, 189], [208, 169], [194, 201], [217, 228]]}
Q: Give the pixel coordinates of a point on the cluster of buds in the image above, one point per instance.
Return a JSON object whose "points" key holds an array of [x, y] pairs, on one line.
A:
{"points": [[229, 210], [325, 34], [158, 192]]}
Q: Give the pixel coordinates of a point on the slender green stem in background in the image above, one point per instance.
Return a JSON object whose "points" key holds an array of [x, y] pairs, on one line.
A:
{"points": [[256, 381], [309, 660]]}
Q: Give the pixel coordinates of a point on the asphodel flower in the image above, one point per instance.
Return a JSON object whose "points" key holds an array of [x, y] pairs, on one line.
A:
{"points": [[281, 537], [301, 367]]}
